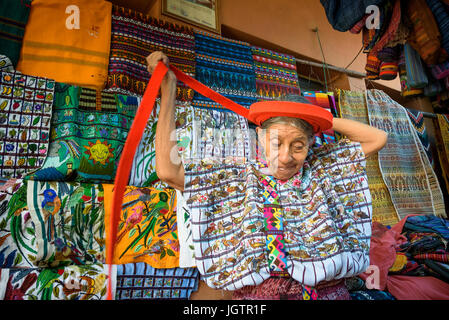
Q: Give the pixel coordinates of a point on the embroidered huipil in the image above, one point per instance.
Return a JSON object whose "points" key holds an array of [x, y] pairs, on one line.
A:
{"points": [[326, 218]]}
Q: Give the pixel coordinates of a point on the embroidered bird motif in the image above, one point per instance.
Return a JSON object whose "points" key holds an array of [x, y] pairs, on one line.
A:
{"points": [[51, 204]]}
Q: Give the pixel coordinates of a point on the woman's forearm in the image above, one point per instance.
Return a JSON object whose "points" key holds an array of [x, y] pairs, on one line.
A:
{"points": [[370, 138]]}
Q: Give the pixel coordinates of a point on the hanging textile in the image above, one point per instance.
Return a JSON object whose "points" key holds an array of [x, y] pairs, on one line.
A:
{"points": [[392, 28], [26, 110], [276, 74], [147, 227], [406, 89], [372, 67], [416, 74], [227, 67], [139, 281], [88, 132], [442, 139], [134, 37], [18, 245], [417, 120], [352, 106], [441, 15], [405, 168], [143, 171], [68, 221], [425, 36], [440, 71], [87, 282], [13, 19], [72, 47]]}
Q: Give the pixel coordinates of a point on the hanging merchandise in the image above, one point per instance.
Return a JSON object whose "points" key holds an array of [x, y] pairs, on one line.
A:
{"points": [[390, 54], [88, 132], [433, 88], [147, 229], [227, 67], [26, 110], [70, 49], [441, 15], [134, 37], [442, 142], [352, 105], [13, 19], [372, 67], [388, 70], [405, 168], [416, 74], [276, 74], [406, 89], [86, 282], [18, 245], [391, 27], [425, 36], [440, 71], [417, 120], [139, 281]]}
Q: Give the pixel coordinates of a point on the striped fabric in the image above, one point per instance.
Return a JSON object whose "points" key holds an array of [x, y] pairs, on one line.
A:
{"points": [[442, 139], [417, 120], [406, 89], [55, 46], [416, 74], [352, 105], [406, 170], [276, 74], [326, 207], [442, 257], [388, 70], [441, 14], [139, 281], [440, 71], [227, 67], [133, 37], [13, 18]]}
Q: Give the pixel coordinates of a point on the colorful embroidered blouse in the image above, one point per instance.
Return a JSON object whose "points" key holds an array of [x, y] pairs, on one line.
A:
{"points": [[326, 218]]}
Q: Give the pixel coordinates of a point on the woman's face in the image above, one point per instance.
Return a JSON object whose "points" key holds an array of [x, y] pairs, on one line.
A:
{"points": [[285, 147]]}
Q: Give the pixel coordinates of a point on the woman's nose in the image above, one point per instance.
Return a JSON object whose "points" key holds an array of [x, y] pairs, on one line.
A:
{"points": [[284, 155]]}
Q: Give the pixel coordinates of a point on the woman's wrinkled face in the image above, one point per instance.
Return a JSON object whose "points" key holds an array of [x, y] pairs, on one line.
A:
{"points": [[285, 147]]}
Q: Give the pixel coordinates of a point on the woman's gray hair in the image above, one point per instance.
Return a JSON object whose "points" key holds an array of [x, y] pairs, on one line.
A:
{"points": [[301, 124]]}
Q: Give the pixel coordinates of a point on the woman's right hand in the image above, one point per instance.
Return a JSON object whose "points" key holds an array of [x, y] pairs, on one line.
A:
{"points": [[169, 81]]}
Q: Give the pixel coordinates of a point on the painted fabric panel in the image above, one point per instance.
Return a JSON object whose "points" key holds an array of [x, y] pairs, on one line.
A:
{"points": [[327, 215], [18, 246], [276, 74], [147, 227], [139, 281], [13, 19], [134, 36], [143, 171], [352, 105], [87, 136], [406, 169], [26, 110], [87, 282], [227, 67], [68, 221], [70, 48]]}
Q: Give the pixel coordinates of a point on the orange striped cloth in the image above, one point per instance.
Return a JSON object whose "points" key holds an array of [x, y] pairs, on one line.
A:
{"points": [[68, 41]]}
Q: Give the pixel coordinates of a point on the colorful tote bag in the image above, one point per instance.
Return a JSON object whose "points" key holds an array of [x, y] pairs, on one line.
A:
{"points": [[87, 136], [25, 114], [416, 74], [13, 19], [86, 282], [276, 74], [147, 228], [139, 281], [18, 245], [133, 37], [227, 67], [68, 41], [68, 221]]}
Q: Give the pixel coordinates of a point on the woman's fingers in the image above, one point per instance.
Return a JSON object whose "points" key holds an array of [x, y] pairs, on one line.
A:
{"points": [[154, 58]]}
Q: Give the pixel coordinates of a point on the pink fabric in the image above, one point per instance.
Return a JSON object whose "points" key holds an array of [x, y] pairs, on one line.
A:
{"points": [[417, 288]]}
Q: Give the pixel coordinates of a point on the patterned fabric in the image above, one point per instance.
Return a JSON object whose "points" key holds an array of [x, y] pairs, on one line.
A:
{"points": [[276, 74], [417, 120], [227, 67], [442, 257], [440, 71], [26, 110], [139, 281], [143, 171], [388, 70], [88, 132], [72, 49], [6, 64], [18, 246], [13, 18], [403, 163], [416, 74], [442, 139], [352, 106], [372, 67], [134, 37], [87, 282], [147, 227], [406, 89], [289, 289], [68, 222], [391, 29], [327, 214], [186, 248], [371, 295], [441, 14]]}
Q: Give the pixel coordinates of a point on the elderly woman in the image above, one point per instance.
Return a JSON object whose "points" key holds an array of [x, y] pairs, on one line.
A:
{"points": [[291, 223]]}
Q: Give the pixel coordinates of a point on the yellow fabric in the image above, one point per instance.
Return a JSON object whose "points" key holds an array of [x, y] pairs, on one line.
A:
{"points": [[399, 262], [147, 229], [54, 47]]}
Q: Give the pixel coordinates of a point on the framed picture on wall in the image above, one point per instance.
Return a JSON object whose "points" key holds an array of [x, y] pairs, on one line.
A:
{"points": [[201, 13]]}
